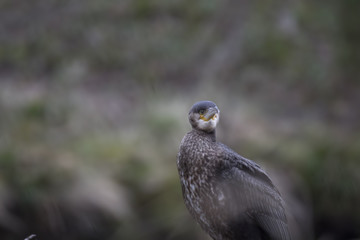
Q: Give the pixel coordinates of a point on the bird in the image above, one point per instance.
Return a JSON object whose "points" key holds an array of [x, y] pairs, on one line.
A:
{"points": [[230, 196]]}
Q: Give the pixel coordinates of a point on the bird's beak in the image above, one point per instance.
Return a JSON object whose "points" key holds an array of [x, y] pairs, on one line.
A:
{"points": [[209, 114]]}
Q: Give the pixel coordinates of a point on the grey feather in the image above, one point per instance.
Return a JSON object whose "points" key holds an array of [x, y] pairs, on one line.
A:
{"points": [[230, 196]]}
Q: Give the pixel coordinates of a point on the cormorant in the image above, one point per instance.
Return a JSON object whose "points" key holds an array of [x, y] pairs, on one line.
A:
{"points": [[230, 196]]}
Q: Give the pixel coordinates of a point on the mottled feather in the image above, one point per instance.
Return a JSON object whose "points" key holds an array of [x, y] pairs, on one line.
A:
{"points": [[230, 196]]}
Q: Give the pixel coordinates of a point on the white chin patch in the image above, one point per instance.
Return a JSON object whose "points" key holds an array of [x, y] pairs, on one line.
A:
{"points": [[208, 125]]}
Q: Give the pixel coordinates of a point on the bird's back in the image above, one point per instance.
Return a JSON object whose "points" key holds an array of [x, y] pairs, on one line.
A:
{"points": [[230, 196]]}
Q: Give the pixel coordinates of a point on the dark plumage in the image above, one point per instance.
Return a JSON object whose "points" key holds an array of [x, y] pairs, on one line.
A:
{"points": [[230, 196]]}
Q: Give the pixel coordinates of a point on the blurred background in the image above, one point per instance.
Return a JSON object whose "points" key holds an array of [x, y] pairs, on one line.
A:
{"points": [[94, 97]]}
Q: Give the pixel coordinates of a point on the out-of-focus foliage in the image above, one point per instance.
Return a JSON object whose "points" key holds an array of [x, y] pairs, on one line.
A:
{"points": [[94, 98]]}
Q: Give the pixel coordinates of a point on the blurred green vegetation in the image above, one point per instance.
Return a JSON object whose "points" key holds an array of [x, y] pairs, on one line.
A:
{"points": [[94, 98]]}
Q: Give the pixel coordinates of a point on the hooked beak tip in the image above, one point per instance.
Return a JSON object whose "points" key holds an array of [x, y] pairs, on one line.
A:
{"points": [[210, 113]]}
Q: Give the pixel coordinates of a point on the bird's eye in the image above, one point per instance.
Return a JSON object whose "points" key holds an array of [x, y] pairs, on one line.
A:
{"points": [[202, 111]]}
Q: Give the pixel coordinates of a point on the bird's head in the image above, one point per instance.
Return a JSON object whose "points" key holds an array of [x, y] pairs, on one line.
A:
{"points": [[204, 116]]}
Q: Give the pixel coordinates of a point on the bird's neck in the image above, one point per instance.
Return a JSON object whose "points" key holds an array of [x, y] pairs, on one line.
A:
{"points": [[208, 135]]}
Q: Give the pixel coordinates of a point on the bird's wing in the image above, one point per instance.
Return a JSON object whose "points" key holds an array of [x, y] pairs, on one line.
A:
{"points": [[246, 189]]}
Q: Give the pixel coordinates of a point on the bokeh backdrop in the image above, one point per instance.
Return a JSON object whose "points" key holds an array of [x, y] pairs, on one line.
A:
{"points": [[94, 97]]}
